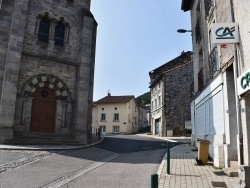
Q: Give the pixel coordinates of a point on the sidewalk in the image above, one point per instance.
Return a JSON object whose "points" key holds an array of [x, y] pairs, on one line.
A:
{"points": [[184, 172]]}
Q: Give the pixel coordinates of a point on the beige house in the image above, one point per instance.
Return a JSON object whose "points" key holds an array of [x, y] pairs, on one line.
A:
{"points": [[117, 114], [94, 126]]}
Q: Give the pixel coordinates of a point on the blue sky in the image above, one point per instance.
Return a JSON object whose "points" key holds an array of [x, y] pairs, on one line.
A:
{"points": [[133, 38]]}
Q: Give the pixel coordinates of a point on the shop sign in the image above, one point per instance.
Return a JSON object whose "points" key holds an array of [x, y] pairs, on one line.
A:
{"points": [[225, 33], [243, 82]]}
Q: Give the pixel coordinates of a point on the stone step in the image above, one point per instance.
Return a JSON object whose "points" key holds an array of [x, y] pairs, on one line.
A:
{"points": [[232, 171], [234, 164], [47, 138]]}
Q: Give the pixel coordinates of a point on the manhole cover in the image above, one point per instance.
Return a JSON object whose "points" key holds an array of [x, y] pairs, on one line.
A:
{"points": [[218, 184]]}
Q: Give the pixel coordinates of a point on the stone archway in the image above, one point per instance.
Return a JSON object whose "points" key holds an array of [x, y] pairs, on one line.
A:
{"points": [[43, 112], [63, 112]]}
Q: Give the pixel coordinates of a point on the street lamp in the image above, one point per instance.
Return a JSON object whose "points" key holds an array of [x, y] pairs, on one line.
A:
{"points": [[183, 31]]}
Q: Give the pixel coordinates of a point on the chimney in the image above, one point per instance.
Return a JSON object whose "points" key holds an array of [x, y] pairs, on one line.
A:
{"points": [[109, 94], [183, 52]]}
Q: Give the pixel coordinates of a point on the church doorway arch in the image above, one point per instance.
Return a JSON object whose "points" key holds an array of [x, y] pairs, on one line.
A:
{"points": [[43, 113]]}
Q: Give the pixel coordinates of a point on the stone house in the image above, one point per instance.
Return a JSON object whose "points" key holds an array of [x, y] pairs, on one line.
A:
{"points": [[220, 108], [117, 114], [170, 87], [47, 57]]}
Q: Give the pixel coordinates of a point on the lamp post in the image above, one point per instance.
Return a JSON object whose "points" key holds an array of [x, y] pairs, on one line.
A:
{"points": [[183, 31]]}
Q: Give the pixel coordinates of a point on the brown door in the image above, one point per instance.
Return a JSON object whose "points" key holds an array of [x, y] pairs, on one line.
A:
{"points": [[43, 111]]}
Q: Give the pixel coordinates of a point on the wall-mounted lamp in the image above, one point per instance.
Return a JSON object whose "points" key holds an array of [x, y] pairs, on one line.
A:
{"points": [[183, 31]]}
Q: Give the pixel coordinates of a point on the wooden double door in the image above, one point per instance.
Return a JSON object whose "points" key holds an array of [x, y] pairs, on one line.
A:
{"points": [[43, 112]]}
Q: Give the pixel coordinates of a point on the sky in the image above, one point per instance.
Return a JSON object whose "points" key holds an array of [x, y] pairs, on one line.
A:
{"points": [[133, 38]]}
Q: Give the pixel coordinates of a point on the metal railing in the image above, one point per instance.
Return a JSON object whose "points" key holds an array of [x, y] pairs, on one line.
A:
{"points": [[198, 31], [213, 62]]}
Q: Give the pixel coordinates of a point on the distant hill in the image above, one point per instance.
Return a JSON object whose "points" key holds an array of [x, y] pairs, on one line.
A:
{"points": [[143, 99]]}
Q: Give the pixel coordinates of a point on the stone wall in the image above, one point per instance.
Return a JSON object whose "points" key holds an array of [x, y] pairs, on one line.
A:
{"points": [[68, 69], [13, 14], [178, 97]]}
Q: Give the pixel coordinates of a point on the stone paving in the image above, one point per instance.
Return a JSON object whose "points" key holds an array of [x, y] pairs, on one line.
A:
{"points": [[184, 172]]}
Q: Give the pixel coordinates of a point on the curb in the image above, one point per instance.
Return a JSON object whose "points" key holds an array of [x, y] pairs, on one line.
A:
{"points": [[56, 148]]}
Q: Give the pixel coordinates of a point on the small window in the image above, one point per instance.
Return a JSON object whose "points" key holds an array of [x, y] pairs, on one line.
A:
{"points": [[103, 128], [116, 129], [103, 117], [102, 108], [116, 117], [59, 34], [115, 108], [43, 32]]}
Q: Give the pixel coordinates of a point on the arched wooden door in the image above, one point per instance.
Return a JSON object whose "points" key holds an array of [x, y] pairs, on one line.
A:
{"points": [[43, 111]]}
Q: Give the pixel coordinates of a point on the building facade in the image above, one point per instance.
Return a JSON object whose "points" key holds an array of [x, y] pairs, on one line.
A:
{"points": [[47, 58], [219, 110], [94, 119], [117, 115], [142, 118], [170, 88]]}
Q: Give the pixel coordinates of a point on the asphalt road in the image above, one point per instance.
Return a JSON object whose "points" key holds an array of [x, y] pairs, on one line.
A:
{"points": [[119, 161]]}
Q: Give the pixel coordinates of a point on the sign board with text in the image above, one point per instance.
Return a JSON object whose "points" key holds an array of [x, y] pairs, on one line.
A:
{"points": [[243, 82], [225, 33]]}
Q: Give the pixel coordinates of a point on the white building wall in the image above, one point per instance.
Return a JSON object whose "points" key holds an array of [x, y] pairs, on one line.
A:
{"points": [[94, 119], [242, 17], [214, 108]]}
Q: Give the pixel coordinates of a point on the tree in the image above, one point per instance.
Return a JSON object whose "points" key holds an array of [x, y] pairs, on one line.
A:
{"points": [[143, 99]]}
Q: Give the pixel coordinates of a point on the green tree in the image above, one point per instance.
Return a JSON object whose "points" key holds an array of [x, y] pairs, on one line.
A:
{"points": [[143, 99]]}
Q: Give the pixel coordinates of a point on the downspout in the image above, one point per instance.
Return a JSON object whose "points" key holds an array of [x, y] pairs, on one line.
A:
{"points": [[238, 107]]}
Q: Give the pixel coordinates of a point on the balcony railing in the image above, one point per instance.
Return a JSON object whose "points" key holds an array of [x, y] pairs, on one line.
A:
{"points": [[198, 31], [213, 62], [200, 80], [208, 5]]}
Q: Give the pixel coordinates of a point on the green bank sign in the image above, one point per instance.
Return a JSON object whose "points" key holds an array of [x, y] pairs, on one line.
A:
{"points": [[243, 82]]}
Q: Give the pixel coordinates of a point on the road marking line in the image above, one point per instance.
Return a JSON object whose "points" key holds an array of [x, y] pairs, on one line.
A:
{"points": [[72, 176]]}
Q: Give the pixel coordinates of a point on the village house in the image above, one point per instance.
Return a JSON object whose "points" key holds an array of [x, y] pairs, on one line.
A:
{"points": [[171, 85], [117, 114]]}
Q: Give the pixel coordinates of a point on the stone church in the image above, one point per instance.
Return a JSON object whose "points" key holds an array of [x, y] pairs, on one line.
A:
{"points": [[47, 58]]}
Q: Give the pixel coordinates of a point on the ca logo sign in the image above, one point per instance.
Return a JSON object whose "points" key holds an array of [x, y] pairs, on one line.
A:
{"points": [[225, 33]]}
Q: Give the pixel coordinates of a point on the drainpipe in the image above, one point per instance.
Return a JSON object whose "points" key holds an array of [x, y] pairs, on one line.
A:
{"points": [[238, 107]]}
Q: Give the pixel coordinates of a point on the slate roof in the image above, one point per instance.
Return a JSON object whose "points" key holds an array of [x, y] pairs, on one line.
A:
{"points": [[115, 99], [156, 74]]}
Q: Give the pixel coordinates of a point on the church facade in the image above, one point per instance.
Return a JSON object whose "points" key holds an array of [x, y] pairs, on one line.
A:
{"points": [[47, 58]]}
